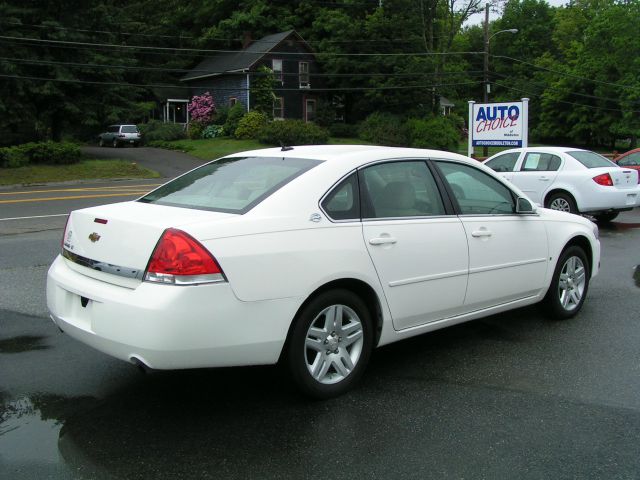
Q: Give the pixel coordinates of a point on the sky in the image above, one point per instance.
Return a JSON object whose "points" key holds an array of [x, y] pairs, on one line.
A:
{"points": [[479, 18]]}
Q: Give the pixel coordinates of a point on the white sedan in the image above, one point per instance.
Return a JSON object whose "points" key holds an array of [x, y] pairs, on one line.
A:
{"points": [[570, 180], [311, 256]]}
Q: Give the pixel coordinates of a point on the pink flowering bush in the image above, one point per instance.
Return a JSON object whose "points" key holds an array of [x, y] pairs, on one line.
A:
{"points": [[202, 108]]}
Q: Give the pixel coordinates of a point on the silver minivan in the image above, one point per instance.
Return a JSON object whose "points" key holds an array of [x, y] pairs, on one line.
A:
{"points": [[119, 135]]}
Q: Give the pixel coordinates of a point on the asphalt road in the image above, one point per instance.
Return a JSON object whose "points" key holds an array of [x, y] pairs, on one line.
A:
{"points": [[510, 396]]}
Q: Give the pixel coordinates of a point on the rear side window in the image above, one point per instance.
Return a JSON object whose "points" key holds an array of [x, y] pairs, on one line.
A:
{"points": [[400, 189], [504, 163], [540, 162], [632, 160], [129, 129], [343, 203], [591, 159], [231, 185]]}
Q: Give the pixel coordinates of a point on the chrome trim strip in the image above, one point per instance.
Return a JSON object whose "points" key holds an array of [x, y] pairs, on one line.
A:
{"points": [[118, 270], [427, 278], [506, 265]]}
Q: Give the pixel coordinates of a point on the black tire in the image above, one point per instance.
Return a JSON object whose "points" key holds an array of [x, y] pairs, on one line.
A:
{"points": [[342, 353], [115, 143], [569, 284], [101, 143], [563, 202], [606, 217]]}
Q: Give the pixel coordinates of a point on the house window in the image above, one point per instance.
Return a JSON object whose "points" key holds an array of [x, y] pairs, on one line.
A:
{"points": [[303, 72], [278, 108], [232, 101], [310, 109], [276, 66]]}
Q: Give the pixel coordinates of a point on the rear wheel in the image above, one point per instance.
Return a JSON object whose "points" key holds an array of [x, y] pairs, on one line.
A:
{"points": [[606, 217], [562, 202], [101, 142], [569, 284], [330, 344]]}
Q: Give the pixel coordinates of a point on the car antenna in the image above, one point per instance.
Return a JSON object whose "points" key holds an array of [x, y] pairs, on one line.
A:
{"points": [[285, 148]]}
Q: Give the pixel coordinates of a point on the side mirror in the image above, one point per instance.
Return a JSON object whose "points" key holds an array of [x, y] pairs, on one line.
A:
{"points": [[524, 206]]}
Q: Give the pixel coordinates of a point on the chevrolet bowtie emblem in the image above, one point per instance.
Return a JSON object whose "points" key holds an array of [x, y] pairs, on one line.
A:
{"points": [[94, 237]]}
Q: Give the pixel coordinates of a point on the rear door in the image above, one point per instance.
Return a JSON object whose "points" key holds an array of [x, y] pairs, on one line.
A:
{"points": [[419, 251], [536, 173]]}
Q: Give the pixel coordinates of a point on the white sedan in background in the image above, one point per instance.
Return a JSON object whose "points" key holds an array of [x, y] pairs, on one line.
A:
{"points": [[311, 256], [570, 179]]}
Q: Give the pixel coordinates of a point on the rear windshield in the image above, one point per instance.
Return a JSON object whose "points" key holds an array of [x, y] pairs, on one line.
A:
{"points": [[591, 159], [129, 129], [232, 185]]}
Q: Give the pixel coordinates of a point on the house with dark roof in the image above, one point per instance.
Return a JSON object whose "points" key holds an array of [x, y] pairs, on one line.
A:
{"points": [[228, 76]]}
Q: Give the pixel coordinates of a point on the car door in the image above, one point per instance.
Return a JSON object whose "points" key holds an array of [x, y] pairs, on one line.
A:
{"points": [[419, 250], [508, 252], [536, 174]]}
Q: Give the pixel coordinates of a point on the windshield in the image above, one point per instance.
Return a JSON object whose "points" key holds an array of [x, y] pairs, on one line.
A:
{"points": [[231, 185], [591, 159]]}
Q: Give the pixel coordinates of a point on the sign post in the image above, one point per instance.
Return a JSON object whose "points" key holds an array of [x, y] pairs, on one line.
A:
{"points": [[498, 124]]}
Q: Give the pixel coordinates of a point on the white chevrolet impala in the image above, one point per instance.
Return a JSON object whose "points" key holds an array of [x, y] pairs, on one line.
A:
{"points": [[312, 256]]}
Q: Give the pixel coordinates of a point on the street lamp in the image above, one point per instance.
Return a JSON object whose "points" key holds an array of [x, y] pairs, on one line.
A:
{"points": [[487, 39]]}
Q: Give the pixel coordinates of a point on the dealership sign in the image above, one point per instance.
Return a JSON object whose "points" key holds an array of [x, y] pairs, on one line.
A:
{"points": [[498, 124]]}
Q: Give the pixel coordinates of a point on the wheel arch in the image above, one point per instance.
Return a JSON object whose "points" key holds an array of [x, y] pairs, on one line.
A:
{"points": [[561, 190], [358, 287], [584, 243]]}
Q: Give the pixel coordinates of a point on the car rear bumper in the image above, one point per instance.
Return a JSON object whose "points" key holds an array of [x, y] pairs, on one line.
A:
{"points": [[611, 198], [166, 326]]}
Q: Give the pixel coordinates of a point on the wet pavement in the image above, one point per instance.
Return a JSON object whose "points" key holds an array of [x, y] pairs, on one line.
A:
{"points": [[510, 396]]}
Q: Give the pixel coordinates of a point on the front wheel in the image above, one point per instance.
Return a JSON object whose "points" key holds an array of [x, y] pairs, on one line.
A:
{"points": [[115, 143], [330, 344], [562, 202], [569, 284], [101, 142]]}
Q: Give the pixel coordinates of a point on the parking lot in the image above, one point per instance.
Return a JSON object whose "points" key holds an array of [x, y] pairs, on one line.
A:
{"points": [[510, 396]]}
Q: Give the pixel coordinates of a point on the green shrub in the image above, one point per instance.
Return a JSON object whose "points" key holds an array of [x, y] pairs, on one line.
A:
{"points": [[233, 118], [157, 130], [194, 131], [180, 147], [50, 153], [383, 129], [439, 133], [213, 131], [293, 132], [250, 125], [220, 118], [343, 130]]}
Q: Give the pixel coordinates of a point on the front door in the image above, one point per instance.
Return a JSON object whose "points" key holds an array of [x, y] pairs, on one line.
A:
{"points": [[420, 253]]}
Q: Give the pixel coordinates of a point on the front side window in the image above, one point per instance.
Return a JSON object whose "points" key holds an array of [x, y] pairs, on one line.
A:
{"points": [[476, 192], [591, 159], [504, 163], [343, 203], [400, 189], [540, 162], [231, 185]]}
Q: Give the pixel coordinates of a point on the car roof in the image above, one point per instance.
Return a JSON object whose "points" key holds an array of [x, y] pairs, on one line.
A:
{"points": [[353, 155]]}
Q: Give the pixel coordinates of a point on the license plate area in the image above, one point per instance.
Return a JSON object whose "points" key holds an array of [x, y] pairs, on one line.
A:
{"points": [[631, 198]]}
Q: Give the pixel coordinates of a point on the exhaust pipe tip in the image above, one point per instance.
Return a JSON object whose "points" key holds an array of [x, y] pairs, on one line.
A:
{"points": [[139, 363]]}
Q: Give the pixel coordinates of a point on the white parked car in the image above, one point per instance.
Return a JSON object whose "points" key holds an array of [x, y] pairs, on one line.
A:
{"points": [[311, 256], [570, 180]]}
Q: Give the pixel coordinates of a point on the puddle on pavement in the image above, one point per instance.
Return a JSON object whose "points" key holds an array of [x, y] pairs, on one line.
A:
{"points": [[29, 432], [23, 343], [636, 275]]}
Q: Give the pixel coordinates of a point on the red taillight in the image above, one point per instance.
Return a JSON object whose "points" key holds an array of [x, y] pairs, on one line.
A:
{"points": [[604, 180], [180, 259]]}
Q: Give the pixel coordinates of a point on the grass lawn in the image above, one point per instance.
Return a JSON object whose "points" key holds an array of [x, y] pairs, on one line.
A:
{"points": [[85, 170], [212, 148]]}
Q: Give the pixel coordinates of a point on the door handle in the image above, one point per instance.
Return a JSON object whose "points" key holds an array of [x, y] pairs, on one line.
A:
{"points": [[481, 233], [382, 240], [544, 179]]}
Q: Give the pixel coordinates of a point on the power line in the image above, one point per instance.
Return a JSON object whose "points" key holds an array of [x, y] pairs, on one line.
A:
{"points": [[220, 72], [203, 50], [617, 85], [213, 87]]}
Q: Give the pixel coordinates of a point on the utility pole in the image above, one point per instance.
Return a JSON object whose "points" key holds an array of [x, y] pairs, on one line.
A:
{"points": [[485, 86]]}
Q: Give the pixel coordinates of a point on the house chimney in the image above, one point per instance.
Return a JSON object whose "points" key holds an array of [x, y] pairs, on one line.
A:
{"points": [[246, 39]]}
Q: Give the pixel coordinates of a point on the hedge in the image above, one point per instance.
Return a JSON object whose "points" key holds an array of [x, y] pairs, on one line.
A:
{"points": [[50, 153], [293, 132]]}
